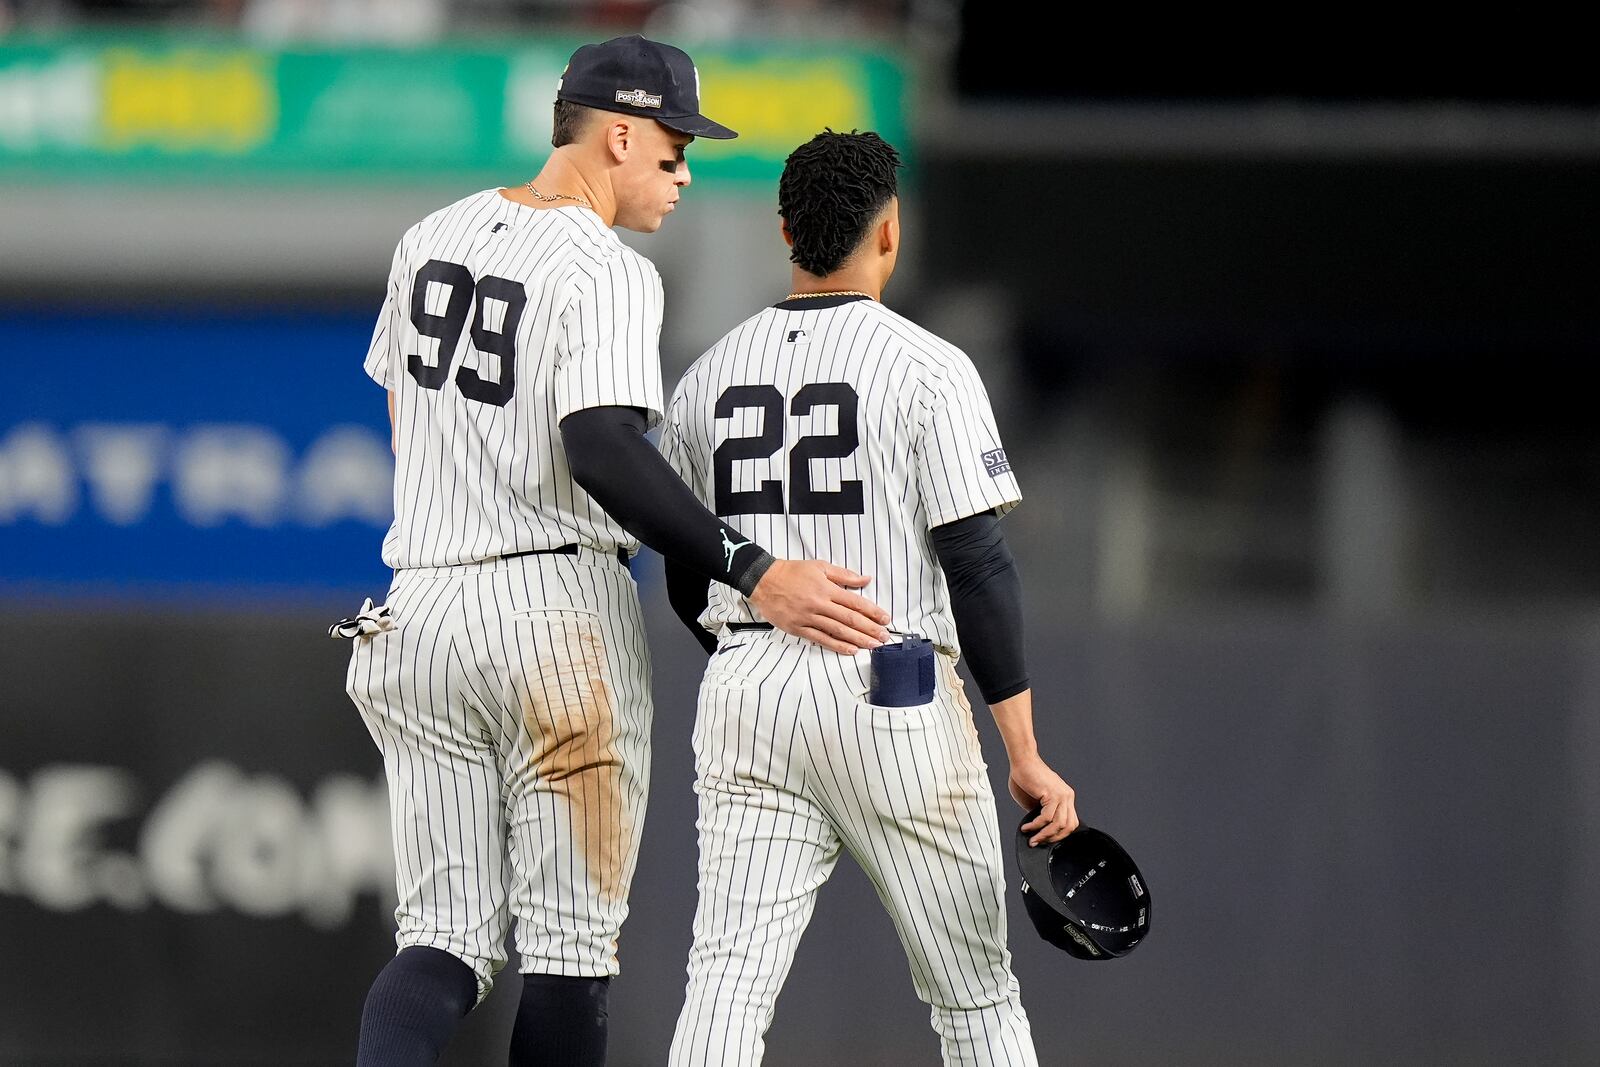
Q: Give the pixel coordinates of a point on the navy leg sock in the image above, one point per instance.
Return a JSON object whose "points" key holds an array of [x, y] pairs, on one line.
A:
{"points": [[413, 1007], [561, 1022]]}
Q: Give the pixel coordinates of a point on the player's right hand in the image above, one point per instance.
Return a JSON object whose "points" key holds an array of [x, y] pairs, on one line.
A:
{"points": [[1034, 784], [811, 598]]}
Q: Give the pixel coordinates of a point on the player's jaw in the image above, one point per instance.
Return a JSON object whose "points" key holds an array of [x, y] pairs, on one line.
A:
{"points": [[655, 178]]}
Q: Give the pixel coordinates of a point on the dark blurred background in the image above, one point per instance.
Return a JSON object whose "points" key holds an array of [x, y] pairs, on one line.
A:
{"points": [[1285, 339]]}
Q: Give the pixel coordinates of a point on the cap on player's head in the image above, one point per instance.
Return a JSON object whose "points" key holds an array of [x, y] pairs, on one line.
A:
{"points": [[832, 189], [632, 75]]}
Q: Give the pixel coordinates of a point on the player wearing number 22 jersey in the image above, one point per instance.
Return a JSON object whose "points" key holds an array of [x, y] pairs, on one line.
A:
{"points": [[829, 425]]}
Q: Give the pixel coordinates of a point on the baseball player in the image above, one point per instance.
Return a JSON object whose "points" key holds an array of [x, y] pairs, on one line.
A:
{"points": [[828, 424], [506, 681]]}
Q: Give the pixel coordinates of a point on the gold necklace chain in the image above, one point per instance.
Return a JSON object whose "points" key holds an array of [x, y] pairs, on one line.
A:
{"points": [[836, 292], [537, 195]]}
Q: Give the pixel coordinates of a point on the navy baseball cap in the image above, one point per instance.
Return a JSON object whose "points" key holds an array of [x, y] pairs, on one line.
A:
{"points": [[636, 76], [1084, 894]]}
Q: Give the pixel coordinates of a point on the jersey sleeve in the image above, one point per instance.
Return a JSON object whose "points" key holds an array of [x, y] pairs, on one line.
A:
{"points": [[379, 363], [962, 467], [608, 351], [677, 442]]}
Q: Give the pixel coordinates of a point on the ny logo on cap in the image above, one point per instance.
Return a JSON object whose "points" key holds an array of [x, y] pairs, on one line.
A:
{"points": [[638, 98]]}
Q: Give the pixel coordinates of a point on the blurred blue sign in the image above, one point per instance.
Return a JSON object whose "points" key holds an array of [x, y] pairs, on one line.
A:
{"points": [[181, 455]]}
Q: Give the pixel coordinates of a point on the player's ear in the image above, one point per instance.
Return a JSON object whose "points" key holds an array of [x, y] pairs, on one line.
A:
{"points": [[889, 230], [788, 238], [619, 137]]}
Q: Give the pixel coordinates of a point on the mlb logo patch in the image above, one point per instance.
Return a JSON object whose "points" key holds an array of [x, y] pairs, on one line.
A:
{"points": [[797, 337], [996, 463]]}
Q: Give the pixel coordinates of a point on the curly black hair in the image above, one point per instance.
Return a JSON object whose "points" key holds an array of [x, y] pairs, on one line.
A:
{"points": [[833, 186]]}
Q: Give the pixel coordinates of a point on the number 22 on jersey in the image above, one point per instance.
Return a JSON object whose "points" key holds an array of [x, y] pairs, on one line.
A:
{"points": [[768, 498]]}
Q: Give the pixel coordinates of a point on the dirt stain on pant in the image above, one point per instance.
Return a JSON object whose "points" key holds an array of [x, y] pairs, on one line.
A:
{"points": [[571, 721], [958, 690]]}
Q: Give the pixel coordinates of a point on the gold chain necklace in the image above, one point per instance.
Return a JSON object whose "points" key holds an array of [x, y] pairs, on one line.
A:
{"points": [[537, 195], [836, 292]]}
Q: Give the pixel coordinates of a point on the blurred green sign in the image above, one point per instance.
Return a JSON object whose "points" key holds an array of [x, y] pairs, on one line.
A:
{"points": [[221, 109]]}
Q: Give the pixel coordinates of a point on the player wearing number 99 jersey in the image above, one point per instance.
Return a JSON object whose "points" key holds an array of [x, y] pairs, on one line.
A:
{"points": [[829, 425], [507, 684]]}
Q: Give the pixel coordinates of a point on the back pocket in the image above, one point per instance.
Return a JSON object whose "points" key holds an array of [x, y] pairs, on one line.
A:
{"points": [[904, 757]]}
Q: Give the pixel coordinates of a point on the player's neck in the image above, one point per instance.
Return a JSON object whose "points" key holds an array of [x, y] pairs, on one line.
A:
{"points": [[561, 177], [848, 280]]}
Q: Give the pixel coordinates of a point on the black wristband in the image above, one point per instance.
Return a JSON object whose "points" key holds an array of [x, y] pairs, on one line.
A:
{"points": [[754, 571]]}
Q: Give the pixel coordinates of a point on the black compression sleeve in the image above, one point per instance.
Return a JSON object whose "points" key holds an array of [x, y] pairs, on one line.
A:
{"points": [[986, 599], [612, 460], [688, 593]]}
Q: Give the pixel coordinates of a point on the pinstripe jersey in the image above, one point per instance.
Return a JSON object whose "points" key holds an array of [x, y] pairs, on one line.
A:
{"points": [[834, 428], [499, 321], [841, 432]]}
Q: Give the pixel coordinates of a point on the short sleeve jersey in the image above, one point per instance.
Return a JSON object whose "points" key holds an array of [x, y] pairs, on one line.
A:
{"points": [[500, 320], [840, 430]]}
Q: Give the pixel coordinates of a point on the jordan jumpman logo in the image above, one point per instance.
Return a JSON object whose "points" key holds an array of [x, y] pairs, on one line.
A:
{"points": [[730, 548]]}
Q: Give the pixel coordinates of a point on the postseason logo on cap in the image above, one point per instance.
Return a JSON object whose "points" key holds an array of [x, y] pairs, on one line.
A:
{"points": [[638, 98], [608, 76]]}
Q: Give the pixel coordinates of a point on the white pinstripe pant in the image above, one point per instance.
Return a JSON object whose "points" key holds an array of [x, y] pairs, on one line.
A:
{"points": [[512, 707], [792, 765]]}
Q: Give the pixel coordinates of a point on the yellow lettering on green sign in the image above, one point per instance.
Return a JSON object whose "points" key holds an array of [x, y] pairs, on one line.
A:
{"points": [[778, 104], [188, 101]]}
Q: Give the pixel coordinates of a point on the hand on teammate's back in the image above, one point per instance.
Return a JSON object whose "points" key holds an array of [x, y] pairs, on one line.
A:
{"points": [[812, 599], [1033, 783]]}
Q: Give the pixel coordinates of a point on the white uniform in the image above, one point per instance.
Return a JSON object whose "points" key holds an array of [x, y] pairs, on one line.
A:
{"points": [[844, 433], [512, 701]]}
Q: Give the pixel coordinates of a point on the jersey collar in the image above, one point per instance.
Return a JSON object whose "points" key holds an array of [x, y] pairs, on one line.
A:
{"points": [[816, 303]]}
